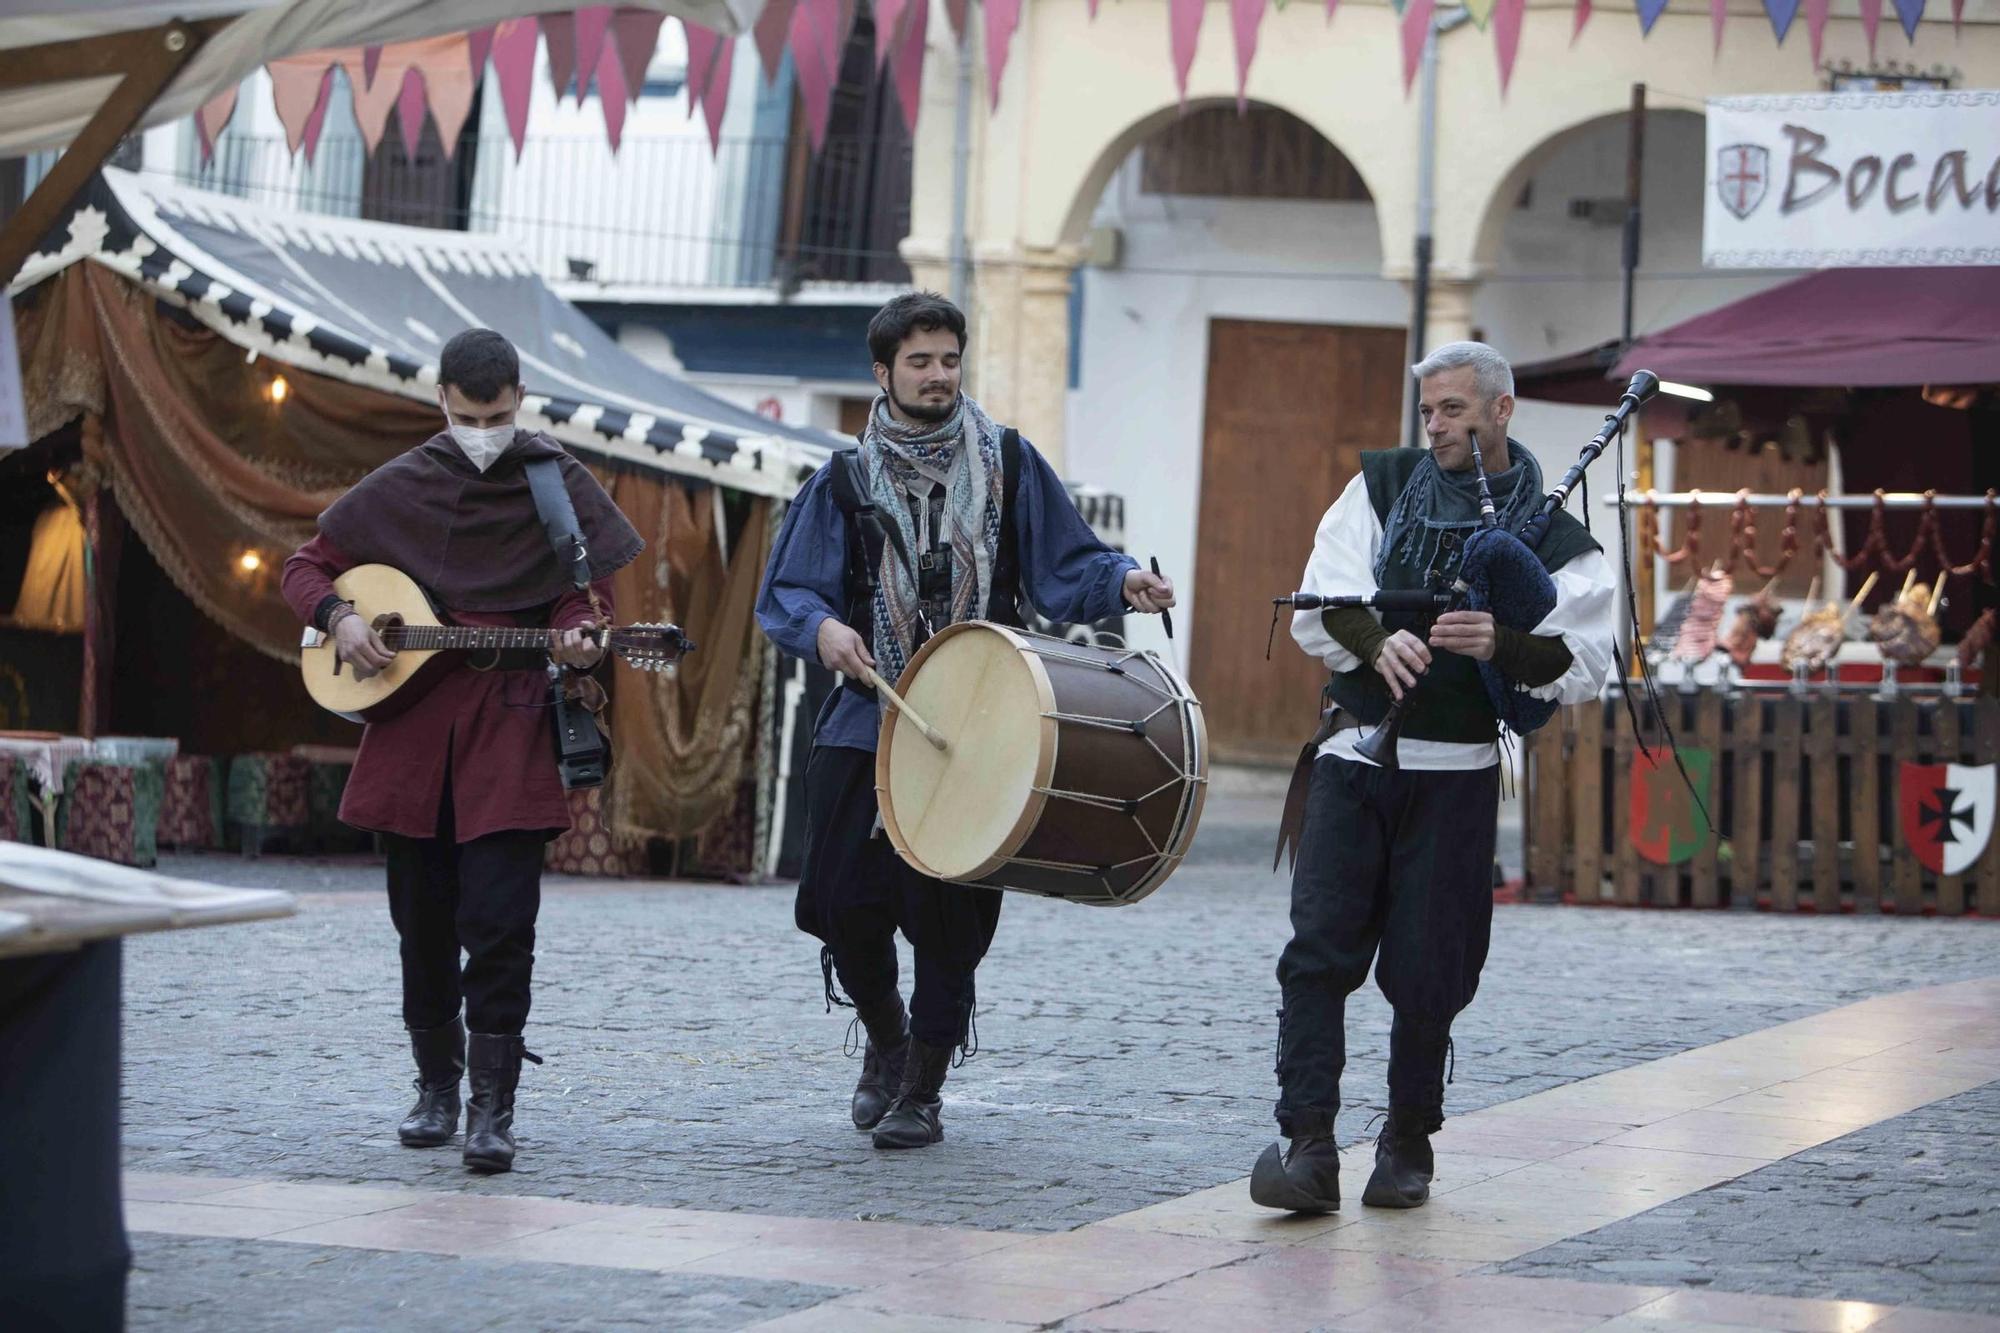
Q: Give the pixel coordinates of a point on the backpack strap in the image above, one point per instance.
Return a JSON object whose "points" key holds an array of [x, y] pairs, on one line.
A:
{"points": [[558, 515], [1003, 605]]}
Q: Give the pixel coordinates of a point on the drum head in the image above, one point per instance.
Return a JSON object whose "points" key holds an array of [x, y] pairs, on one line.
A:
{"points": [[954, 814]]}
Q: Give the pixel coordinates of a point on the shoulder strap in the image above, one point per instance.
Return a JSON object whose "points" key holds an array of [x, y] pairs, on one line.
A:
{"points": [[1004, 603], [558, 515]]}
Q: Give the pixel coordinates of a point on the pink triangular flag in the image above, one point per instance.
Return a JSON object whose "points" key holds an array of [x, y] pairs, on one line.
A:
{"points": [[1002, 17], [514, 67], [371, 61], [1093, 9], [701, 44], [479, 44], [1416, 30], [1331, 5], [1871, 19], [1582, 17], [773, 30], [716, 98], [450, 85], [1245, 18], [889, 15], [592, 22], [907, 64], [210, 120], [818, 34], [636, 33], [611, 93], [560, 33], [1718, 14], [1957, 17], [372, 104], [298, 85], [1816, 11], [956, 11], [410, 110], [1507, 16], [1183, 35], [317, 120]]}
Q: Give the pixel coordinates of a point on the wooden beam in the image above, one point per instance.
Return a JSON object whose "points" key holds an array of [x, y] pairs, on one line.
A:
{"points": [[149, 60]]}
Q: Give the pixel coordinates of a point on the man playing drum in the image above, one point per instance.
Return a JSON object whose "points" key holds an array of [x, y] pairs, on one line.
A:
{"points": [[1399, 860], [939, 516]]}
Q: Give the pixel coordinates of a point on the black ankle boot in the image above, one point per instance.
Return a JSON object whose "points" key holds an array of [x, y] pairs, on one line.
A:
{"points": [[882, 1063], [1403, 1161], [1303, 1177], [912, 1119], [494, 1064], [440, 1053]]}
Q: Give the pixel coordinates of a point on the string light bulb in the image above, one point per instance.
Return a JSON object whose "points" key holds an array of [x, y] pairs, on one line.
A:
{"points": [[250, 562], [280, 388]]}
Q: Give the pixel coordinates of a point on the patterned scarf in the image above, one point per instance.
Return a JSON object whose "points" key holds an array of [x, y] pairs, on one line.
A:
{"points": [[904, 461], [1437, 504]]}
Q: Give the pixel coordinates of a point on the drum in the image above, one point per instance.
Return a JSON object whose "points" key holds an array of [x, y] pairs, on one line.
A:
{"points": [[1071, 771]]}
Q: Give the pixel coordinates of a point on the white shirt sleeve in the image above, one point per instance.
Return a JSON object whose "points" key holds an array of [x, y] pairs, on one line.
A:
{"points": [[1343, 562], [1585, 618]]}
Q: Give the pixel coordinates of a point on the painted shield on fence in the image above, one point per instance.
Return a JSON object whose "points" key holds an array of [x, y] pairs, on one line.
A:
{"points": [[1664, 822], [1947, 813]]}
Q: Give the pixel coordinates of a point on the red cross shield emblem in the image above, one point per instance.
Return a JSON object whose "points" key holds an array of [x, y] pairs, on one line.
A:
{"points": [[1947, 813], [1742, 174]]}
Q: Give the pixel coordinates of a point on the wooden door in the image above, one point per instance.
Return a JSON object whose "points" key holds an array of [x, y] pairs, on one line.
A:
{"points": [[1290, 408]]}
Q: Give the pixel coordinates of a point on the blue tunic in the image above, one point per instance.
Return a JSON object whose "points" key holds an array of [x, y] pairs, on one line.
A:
{"points": [[1066, 572]]}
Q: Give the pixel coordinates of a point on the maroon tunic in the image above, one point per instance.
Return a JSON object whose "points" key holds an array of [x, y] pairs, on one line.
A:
{"points": [[489, 726]]}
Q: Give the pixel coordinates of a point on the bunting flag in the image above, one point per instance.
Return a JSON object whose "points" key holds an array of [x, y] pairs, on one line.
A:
{"points": [[1416, 30], [1871, 19], [611, 98], [772, 30], [298, 86], [1582, 17], [1957, 17], [717, 100], [559, 34], [1092, 6], [371, 61], [1718, 14], [636, 35], [819, 34], [955, 10], [908, 63], [1910, 11], [316, 118], [1183, 32], [479, 45], [889, 16], [1002, 18], [1331, 5], [1816, 14], [1781, 13], [1481, 12], [514, 70], [590, 24], [1245, 18], [1507, 18], [1649, 14], [209, 121]]}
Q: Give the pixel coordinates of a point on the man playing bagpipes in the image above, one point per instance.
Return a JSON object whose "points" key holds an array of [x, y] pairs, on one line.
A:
{"points": [[1397, 858]]}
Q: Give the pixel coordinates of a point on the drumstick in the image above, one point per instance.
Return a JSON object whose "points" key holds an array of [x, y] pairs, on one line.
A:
{"points": [[930, 733]]}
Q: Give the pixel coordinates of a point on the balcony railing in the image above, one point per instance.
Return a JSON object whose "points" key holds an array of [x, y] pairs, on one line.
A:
{"points": [[664, 212]]}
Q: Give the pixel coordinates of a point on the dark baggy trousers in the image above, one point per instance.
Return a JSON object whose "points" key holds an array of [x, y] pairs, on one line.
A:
{"points": [[855, 893], [1394, 868], [480, 897]]}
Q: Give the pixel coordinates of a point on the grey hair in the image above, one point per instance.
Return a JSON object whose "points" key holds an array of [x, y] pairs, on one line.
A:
{"points": [[1490, 370]]}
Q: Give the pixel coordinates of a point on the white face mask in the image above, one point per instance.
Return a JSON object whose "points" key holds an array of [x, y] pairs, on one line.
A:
{"points": [[483, 445]]}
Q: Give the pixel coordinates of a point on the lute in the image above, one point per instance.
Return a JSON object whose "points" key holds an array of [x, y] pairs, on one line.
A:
{"points": [[427, 645]]}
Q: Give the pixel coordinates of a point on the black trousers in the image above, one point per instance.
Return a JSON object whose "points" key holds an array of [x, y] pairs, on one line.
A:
{"points": [[1394, 868], [480, 897], [855, 893]]}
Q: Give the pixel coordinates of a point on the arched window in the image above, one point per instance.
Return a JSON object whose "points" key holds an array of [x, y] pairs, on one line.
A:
{"points": [[1261, 153]]}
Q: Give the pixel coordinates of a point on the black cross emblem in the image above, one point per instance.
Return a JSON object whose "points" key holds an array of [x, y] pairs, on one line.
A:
{"points": [[1945, 814]]}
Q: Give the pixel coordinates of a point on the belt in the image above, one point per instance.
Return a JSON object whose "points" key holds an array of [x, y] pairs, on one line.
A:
{"points": [[1291, 824]]}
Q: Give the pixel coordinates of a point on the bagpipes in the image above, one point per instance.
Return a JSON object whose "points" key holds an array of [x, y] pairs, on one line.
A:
{"points": [[1498, 573]]}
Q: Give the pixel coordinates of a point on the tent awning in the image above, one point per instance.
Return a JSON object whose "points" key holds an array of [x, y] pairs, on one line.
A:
{"points": [[372, 304], [1858, 327], [49, 115]]}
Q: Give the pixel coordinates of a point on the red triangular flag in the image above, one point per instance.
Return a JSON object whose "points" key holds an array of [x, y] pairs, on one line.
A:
{"points": [[774, 29], [1816, 25], [1507, 16], [1245, 18], [1183, 34], [1582, 17], [611, 97], [955, 10], [908, 64], [316, 122], [559, 31], [1416, 31], [592, 22], [410, 106], [1002, 17], [716, 100], [513, 58], [636, 34], [479, 44], [889, 15], [371, 60]]}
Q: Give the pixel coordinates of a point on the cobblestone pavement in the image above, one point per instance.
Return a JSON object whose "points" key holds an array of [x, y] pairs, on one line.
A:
{"points": [[1127, 1053], [241, 1286], [1903, 1212]]}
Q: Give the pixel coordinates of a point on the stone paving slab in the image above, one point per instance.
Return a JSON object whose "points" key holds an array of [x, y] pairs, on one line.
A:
{"points": [[1127, 1052], [1906, 1211]]}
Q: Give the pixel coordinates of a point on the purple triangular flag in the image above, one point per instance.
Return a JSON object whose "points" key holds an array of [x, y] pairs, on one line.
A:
{"points": [[1910, 11], [1649, 14], [1782, 12]]}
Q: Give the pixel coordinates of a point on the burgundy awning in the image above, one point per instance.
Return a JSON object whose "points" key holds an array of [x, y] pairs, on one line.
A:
{"points": [[1860, 327]]}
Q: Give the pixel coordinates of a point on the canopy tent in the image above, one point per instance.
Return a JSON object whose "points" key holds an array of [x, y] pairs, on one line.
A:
{"points": [[255, 31], [371, 304], [1852, 327]]}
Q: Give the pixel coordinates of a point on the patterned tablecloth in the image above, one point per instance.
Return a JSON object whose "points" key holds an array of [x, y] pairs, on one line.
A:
{"points": [[47, 756]]}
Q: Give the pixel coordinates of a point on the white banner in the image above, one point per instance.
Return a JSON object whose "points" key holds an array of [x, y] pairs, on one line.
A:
{"points": [[1815, 180]]}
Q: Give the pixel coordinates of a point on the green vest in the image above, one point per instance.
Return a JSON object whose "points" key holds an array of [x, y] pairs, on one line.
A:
{"points": [[1450, 704]]}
